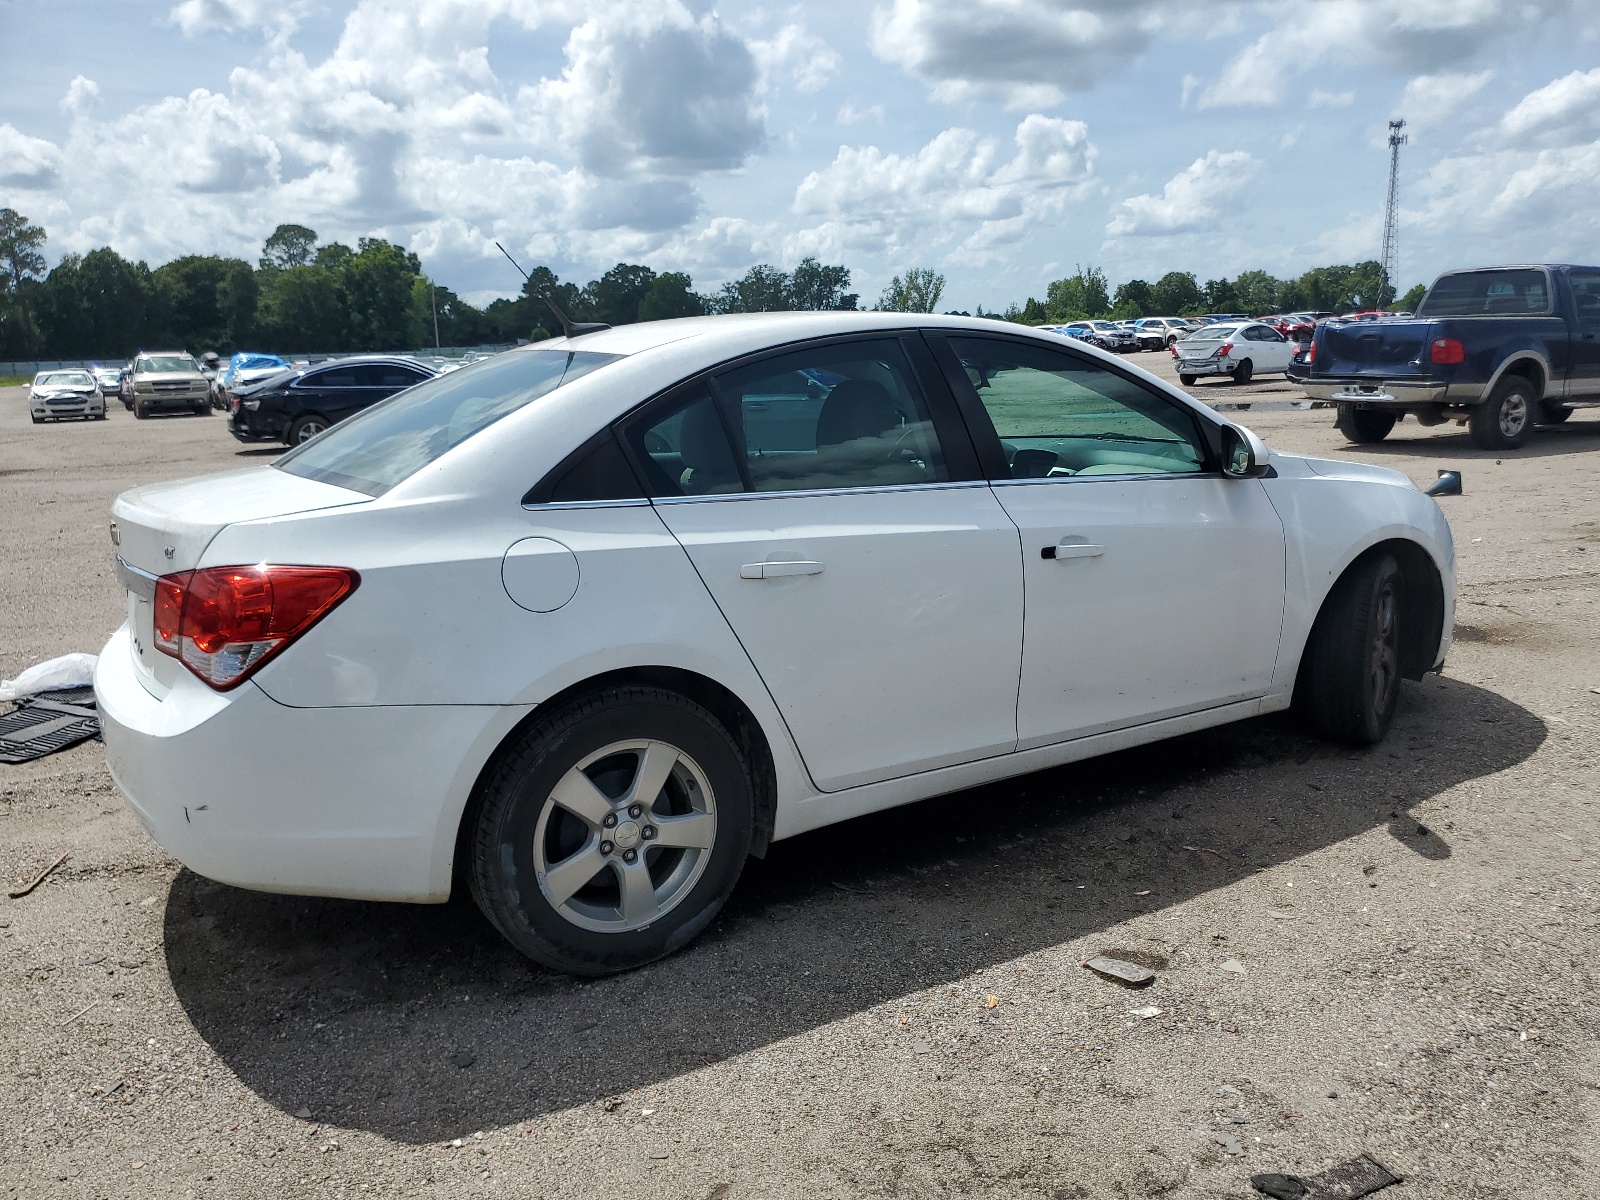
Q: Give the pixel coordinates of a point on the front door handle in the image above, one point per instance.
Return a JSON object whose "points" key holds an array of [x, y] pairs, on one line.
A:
{"points": [[1072, 550], [778, 570]]}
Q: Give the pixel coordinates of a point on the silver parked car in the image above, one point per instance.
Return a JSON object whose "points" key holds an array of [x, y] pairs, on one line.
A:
{"points": [[65, 393]]}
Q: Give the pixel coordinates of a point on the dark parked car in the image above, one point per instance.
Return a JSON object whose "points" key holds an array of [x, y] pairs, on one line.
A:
{"points": [[295, 405], [1498, 350]]}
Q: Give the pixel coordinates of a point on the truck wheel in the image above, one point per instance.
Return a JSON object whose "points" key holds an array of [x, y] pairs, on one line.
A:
{"points": [[1551, 413], [1243, 372], [1187, 380], [1503, 420], [1364, 426], [1349, 680]]}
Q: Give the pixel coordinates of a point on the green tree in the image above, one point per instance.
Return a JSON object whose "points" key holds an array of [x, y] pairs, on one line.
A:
{"points": [[815, 287], [20, 245], [918, 291], [763, 288], [1134, 296], [671, 295], [97, 306], [301, 311], [1219, 296], [289, 246], [1080, 296], [1412, 300], [1258, 293], [209, 303], [332, 256], [614, 298], [1175, 293], [375, 284]]}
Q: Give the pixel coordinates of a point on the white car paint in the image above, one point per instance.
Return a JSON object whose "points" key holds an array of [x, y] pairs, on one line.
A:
{"points": [[902, 670], [1267, 350]]}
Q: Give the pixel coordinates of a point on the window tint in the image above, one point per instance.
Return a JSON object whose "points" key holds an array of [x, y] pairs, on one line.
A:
{"points": [[1487, 293], [392, 375], [382, 445], [331, 377], [1060, 416], [684, 448], [598, 472], [1586, 295], [838, 416]]}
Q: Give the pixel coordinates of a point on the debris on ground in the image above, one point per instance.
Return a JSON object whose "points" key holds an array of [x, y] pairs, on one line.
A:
{"points": [[1348, 1181], [1145, 1013], [54, 675], [1120, 971], [39, 878], [46, 722], [1448, 484], [1206, 850], [1233, 967]]}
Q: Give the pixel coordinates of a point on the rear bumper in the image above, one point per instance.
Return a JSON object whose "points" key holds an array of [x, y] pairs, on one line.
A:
{"points": [[360, 803], [1380, 393], [1206, 366]]}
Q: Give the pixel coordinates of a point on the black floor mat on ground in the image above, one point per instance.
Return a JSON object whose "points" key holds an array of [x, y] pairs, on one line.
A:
{"points": [[48, 722]]}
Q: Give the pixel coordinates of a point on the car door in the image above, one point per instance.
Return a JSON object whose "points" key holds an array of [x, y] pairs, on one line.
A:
{"points": [[835, 511], [334, 391], [1271, 351], [1153, 585]]}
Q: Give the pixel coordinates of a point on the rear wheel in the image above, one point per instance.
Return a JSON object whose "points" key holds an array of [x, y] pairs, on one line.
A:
{"points": [[1502, 422], [1551, 413], [613, 831], [1244, 371], [1349, 681], [306, 428], [1364, 425], [1187, 380]]}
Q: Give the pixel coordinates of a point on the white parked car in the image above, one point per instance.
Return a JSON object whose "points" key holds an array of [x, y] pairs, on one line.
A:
{"points": [[590, 622], [1240, 349], [71, 392]]}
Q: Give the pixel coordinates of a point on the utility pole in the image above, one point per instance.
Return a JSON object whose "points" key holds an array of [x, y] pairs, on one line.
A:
{"points": [[1391, 218], [433, 299]]}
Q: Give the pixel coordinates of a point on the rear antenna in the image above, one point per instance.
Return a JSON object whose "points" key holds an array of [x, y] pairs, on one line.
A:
{"points": [[569, 327]]}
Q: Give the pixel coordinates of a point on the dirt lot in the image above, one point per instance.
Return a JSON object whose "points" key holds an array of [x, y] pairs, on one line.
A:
{"points": [[1390, 951]]}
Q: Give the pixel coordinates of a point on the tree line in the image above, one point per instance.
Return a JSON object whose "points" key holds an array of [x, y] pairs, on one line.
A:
{"points": [[307, 296]]}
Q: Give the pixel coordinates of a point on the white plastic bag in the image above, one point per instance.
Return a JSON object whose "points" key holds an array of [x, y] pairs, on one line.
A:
{"points": [[68, 671]]}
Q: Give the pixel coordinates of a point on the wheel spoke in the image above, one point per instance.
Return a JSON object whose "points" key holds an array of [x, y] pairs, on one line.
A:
{"points": [[656, 761], [563, 880], [578, 795], [638, 891], [695, 831]]}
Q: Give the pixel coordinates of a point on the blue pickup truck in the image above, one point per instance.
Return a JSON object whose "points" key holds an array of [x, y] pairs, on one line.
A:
{"points": [[1498, 350]]}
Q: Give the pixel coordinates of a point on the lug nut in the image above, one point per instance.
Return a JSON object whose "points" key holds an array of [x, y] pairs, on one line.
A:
{"points": [[610, 820], [635, 810], [648, 833], [606, 847], [629, 856]]}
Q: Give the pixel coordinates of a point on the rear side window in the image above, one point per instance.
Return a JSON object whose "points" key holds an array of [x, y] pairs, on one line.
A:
{"points": [[1515, 292], [333, 377], [1586, 296], [392, 375], [376, 449]]}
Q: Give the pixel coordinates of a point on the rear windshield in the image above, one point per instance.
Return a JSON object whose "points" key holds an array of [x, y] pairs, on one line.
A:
{"points": [[1213, 333], [377, 448], [1488, 294]]}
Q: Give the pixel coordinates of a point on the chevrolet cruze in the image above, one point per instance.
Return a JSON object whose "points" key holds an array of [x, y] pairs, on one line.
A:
{"points": [[586, 624]]}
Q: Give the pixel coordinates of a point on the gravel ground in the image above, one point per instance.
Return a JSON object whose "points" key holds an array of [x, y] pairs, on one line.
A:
{"points": [[1387, 950]]}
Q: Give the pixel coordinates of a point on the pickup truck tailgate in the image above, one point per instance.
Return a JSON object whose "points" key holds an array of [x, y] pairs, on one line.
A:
{"points": [[1387, 349]]}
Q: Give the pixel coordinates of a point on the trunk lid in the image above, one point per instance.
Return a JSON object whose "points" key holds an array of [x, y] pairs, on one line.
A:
{"points": [[1381, 348], [165, 527]]}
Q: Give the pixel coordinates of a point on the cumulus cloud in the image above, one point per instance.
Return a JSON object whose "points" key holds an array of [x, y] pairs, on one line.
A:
{"points": [[1323, 99], [955, 186], [1428, 99], [795, 58], [1190, 201], [205, 16], [1563, 113], [1030, 53], [28, 162]]}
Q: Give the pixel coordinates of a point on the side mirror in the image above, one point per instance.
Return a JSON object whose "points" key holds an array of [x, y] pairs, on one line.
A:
{"points": [[1244, 456]]}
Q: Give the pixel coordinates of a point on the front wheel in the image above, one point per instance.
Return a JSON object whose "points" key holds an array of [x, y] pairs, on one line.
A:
{"points": [[1244, 371], [1502, 422], [140, 411], [1349, 681], [613, 831], [1364, 425]]}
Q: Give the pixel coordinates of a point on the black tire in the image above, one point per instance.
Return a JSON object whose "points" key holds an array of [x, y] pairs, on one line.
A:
{"points": [[1551, 413], [1244, 372], [1364, 426], [1349, 680], [509, 831], [37, 420], [202, 410], [128, 404], [140, 411], [305, 428], [1503, 421], [1187, 380]]}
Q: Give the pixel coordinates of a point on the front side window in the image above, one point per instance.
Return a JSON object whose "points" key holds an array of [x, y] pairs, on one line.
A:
{"points": [[1060, 416], [382, 445]]}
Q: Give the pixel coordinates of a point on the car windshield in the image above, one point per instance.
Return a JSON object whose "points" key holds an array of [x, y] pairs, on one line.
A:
{"points": [[1524, 291], [65, 379], [392, 440], [167, 362], [1213, 333]]}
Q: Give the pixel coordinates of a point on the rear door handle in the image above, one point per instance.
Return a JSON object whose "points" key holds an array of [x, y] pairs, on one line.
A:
{"points": [[1072, 550], [778, 570]]}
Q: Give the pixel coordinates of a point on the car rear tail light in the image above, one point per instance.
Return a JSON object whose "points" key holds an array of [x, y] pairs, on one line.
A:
{"points": [[1311, 354], [1224, 350], [223, 623], [1447, 351]]}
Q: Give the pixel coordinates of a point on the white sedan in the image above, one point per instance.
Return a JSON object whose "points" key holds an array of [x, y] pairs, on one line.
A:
{"points": [[67, 393], [587, 624], [1238, 349]]}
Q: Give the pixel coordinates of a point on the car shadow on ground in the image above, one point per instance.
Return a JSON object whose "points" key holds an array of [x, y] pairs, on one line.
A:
{"points": [[1575, 436], [420, 1024]]}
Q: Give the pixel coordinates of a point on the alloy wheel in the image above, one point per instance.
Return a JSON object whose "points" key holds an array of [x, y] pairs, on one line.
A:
{"points": [[1514, 414], [624, 836], [310, 429]]}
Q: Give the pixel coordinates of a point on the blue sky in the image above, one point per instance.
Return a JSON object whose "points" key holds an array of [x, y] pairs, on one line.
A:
{"points": [[999, 141]]}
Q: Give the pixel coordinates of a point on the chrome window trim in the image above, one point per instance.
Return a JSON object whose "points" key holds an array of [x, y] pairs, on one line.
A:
{"points": [[140, 583], [1054, 479], [843, 491], [636, 502]]}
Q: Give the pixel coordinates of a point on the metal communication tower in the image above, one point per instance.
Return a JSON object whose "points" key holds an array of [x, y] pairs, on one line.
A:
{"points": [[1391, 217]]}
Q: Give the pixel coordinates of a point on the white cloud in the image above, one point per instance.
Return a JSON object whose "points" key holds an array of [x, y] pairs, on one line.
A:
{"points": [[1322, 99], [83, 95], [1562, 113], [953, 186], [28, 162], [849, 114], [795, 58], [1191, 199], [1428, 99], [1030, 53], [204, 16]]}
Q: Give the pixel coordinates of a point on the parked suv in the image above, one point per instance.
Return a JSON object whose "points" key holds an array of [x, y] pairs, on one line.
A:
{"points": [[169, 381], [296, 404]]}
